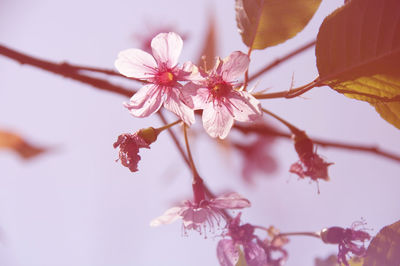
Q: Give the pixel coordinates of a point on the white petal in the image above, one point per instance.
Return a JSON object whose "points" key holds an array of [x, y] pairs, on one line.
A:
{"points": [[244, 106], [230, 201], [168, 217], [217, 120], [135, 63], [166, 48], [234, 66], [174, 103], [146, 101]]}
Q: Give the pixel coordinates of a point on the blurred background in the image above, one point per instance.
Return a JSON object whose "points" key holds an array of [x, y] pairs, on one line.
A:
{"points": [[75, 205]]}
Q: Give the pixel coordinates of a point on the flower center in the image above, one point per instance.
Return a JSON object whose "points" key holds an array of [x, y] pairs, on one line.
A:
{"points": [[166, 78], [220, 89]]}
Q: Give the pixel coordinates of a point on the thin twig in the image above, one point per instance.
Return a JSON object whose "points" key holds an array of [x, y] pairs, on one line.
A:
{"points": [[265, 130], [281, 60]]}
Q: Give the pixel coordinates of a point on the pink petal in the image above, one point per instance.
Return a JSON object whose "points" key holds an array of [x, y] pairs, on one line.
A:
{"points": [[135, 63], [230, 201], [227, 253], [175, 104], [255, 255], [168, 217], [146, 101], [166, 48], [234, 65], [194, 73], [195, 96], [217, 120], [195, 216], [244, 106]]}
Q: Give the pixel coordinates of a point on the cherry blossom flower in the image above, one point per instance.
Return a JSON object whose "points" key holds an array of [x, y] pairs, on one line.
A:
{"points": [[204, 214], [347, 240], [129, 145], [216, 94], [228, 250], [161, 72]]}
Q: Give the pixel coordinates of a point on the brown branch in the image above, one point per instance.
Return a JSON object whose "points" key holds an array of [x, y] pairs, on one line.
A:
{"points": [[262, 129], [281, 60], [64, 70]]}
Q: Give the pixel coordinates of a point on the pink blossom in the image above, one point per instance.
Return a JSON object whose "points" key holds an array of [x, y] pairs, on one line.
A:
{"points": [[228, 250], [129, 145], [216, 94], [204, 214], [144, 37], [161, 72], [347, 240]]}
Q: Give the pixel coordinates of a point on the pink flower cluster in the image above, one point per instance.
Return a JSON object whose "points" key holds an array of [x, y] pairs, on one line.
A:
{"points": [[216, 92]]}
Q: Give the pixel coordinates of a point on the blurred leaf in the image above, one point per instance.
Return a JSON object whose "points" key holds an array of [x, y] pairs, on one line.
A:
{"points": [[209, 50], [265, 23], [329, 261], [385, 247], [242, 259], [358, 54], [14, 142]]}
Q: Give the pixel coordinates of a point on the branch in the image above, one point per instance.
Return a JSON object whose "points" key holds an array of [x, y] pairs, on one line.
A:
{"points": [[281, 60], [269, 131], [65, 70]]}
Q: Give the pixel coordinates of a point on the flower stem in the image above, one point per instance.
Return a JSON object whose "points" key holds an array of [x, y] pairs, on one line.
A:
{"points": [[196, 176], [160, 129], [291, 127], [312, 234]]}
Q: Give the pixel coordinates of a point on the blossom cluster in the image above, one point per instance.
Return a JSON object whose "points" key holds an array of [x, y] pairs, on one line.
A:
{"points": [[184, 89]]}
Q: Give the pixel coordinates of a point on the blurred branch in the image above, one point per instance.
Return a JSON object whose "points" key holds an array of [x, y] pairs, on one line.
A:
{"points": [[65, 70], [71, 72], [263, 129], [281, 60]]}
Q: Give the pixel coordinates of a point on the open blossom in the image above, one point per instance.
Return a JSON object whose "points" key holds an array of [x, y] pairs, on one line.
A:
{"points": [[207, 212], [228, 250], [347, 240], [215, 93], [129, 145], [161, 72]]}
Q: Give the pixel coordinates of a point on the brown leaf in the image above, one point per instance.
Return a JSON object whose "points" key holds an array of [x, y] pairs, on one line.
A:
{"points": [[358, 54], [385, 247], [24, 149], [265, 23]]}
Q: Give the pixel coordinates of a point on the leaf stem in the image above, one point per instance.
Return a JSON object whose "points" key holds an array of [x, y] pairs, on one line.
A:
{"points": [[292, 93]]}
